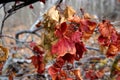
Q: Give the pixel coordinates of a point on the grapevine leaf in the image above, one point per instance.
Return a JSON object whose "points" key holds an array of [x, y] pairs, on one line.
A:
{"points": [[106, 28], [80, 49], [63, 46], [34, 61], [87, 27], [53, 72], [112, 50], [37, 61], [76, 36], [103, 41], [41, 68], [61, 29], [75, 19], [59, 63]]}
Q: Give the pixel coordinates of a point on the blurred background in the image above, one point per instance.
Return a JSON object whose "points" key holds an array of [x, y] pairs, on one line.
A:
{"points": [[26, 16]]}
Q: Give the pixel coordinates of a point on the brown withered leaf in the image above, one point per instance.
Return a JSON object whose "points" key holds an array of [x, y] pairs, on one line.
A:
{"points": [[3, 53], [77, 73]]}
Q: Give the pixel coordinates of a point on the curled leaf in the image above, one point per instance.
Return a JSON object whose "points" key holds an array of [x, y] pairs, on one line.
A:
{"points": [[68, 57]]}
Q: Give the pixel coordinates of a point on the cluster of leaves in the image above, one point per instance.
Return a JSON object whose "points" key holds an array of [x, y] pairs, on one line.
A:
{"points": [[63, 35], [63, 38], [37, 59], [109, 37]]}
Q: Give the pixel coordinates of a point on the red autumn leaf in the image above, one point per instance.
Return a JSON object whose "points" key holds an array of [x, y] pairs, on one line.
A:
{"points": [[37, 50], [34, 61], [114, 46], [59, 63], [38, 62], [118, 77], [76, 36], [67, 30], [63, 46], [61, 29], [80, 49], [87, 27], [63, 74], [104, 41], [41, 68], [118, 42], [53, 72], [91, 75], [114, 36], [112, 50], [75, 19], [106, 29], [68, 57], [11, 76], [100, 73], [69, 79]]}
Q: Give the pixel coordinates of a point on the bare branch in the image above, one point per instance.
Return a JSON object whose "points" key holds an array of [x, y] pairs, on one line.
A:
{"points": [[91, 48], [7, 15], [28, 31]]}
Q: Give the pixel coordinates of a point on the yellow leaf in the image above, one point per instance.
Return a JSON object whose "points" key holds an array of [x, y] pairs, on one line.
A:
{"points": [[69, 12], [53, 13]]}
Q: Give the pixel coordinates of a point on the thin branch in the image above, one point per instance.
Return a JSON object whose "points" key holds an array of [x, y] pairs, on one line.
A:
{"points": [[14, 39], [91, 48], [7, 15], [26, 3], [28, 31]]}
